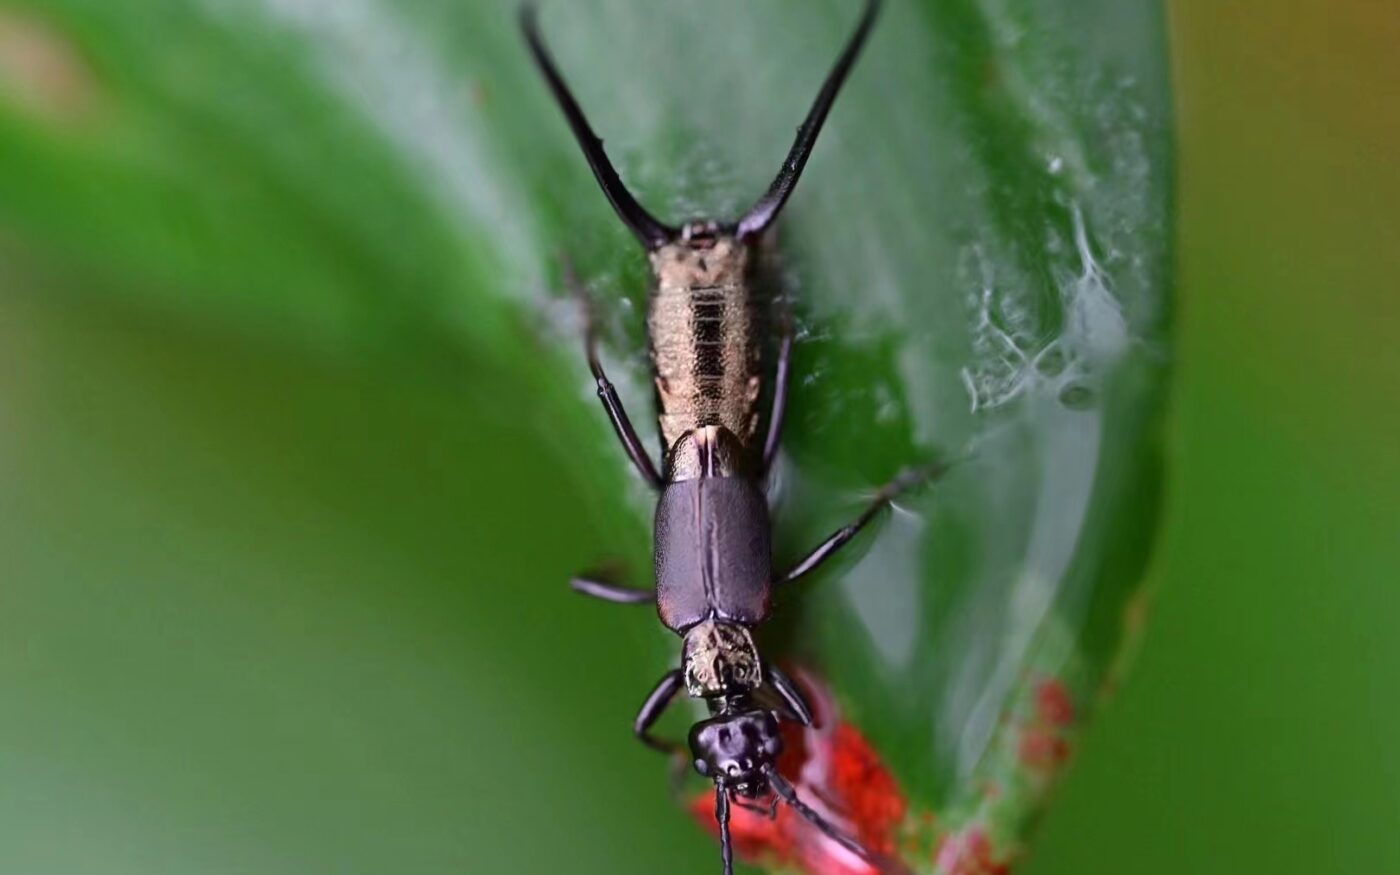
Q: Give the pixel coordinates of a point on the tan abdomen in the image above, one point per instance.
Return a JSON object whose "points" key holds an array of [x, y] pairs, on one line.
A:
{"points": [[706, 339]]}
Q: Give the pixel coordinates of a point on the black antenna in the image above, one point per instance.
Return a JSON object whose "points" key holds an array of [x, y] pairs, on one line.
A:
{"points": [[648, 230], [789, 795], [726, 844], [757, 220]]}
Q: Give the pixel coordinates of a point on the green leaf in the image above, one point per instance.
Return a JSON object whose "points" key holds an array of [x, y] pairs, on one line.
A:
{"points": [[357, 208]]}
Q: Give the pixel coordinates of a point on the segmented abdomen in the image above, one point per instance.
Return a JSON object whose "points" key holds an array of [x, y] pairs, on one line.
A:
{"points": [[705, 340]]}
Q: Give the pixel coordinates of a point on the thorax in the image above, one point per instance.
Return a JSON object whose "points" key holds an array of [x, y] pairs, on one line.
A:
{"points": [[714, 557]]}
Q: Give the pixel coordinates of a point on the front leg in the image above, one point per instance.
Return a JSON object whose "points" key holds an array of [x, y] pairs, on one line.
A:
{"points": [[652, 709], [843, 536], [607, 393], [790, 694]]}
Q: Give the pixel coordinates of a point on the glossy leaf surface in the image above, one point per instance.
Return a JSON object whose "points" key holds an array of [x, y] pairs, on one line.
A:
{"points": [[980, 255]]}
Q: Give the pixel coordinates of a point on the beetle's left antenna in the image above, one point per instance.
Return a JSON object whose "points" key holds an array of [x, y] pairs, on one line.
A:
{"points": [[648, 230], [757, 220], [726, 842], [789, 795]]}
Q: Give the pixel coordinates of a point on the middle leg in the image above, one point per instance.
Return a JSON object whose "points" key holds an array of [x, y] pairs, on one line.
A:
{"points": [[843, 536], [612, 592]]}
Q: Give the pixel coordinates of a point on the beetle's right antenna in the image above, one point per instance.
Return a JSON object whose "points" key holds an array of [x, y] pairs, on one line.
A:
{"points": [[648, 230], [726, 842], [757, 220]]}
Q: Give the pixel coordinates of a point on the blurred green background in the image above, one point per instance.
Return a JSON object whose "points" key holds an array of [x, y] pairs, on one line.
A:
{"points": [[1257, 731], [231, 613]]}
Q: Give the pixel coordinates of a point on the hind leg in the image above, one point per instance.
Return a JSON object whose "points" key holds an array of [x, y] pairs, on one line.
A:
{"points": [[607, 393]]}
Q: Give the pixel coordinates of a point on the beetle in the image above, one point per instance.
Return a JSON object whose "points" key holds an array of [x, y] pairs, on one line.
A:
{"points": [[713, 552]]}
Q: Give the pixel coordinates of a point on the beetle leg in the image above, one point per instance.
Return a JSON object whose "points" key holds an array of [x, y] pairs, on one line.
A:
{"points": [[607, 393], [611, 592], [652, 709], [790, 694], [780, 389], [842, 536]]}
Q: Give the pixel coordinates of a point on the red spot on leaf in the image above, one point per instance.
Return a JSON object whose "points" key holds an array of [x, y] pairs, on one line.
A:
{"points": [[970, 853], [1043, 745], [1042, 749], [836, 771], [1053, 703], [873, 802]]}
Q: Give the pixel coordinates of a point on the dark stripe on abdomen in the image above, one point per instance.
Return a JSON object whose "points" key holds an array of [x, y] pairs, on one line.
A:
{"points": [[705, 347]]}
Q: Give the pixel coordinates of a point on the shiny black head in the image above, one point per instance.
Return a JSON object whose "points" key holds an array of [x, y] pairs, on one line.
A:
{"points": [[739, 752], [736, 751]]}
